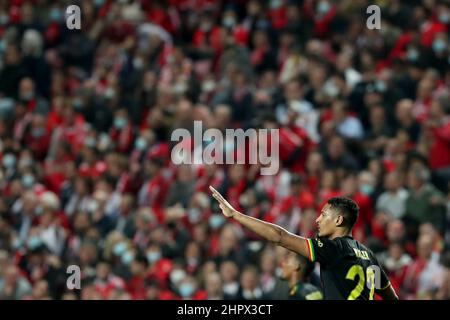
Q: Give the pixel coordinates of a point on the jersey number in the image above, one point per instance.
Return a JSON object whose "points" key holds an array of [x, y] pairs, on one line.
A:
{"points": [[357, 270]]}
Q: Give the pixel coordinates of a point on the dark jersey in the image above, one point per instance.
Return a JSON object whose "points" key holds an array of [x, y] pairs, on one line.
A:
{"points": [[348, 270], [305, 291]]}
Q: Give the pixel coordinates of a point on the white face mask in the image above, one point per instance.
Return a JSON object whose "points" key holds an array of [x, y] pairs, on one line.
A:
{"points": [[180, 88], [194, 215], [330, 89], [381, 85], [444, 17], [138, 63], [275, 4], [323, 7], [208, 85], [104, 142], [229, 22], [9, 161], [412, 54], [177, 275], [93, 206], [153, 256], [109, 93]]}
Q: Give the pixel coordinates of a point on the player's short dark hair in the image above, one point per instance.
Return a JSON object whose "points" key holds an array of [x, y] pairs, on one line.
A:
{"points": [[306, 266], [347, 207]]}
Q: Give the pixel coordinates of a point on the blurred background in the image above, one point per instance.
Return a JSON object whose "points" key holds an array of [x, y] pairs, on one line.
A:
{"points": [[85, 122]]}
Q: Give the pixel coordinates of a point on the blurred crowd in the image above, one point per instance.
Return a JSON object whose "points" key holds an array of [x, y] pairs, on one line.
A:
{"points": [[86, 176]]}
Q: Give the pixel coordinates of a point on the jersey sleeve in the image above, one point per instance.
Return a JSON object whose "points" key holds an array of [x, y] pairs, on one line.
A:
{"points": [[323, 250]]}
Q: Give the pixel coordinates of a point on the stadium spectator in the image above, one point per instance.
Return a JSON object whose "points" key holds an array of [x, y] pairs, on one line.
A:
{"points": [[249, 288], [213, 286], [425, 203], [229, 274], [393, 200], [12, 285], [425, 275]]}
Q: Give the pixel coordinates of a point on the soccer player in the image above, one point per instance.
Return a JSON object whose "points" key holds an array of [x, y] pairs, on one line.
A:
{"points": [[296, 269], [348, 270]]}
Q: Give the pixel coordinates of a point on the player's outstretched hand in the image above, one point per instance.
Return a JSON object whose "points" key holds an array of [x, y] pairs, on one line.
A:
{"points": [[227, 210]]}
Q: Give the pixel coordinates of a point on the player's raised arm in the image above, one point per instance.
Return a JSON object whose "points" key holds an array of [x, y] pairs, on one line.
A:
{"points": [[266, 230]]}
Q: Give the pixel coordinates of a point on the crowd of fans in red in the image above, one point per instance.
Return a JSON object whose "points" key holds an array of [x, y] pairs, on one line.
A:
{"points": [[86, 176]]}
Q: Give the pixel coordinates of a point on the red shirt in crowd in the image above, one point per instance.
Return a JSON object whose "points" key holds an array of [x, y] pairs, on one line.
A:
{"points": [[294, 143], [234, 192], [38, 141], [122, 137], [440, 147]]}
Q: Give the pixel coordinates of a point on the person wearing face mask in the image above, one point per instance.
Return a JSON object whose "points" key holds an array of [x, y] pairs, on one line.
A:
{"points": [[324, 16], [207, 37], [28, 180], [229, 19], [121, 132], [443, 13], [153, 254], [198, 208], [126, 259], [367, 184], [439, 56], [177, 274], [38, 136], [193, 257], [188, 289], [29, 97], [439, 45], [8, 163], [159, 268], [216, 221]]}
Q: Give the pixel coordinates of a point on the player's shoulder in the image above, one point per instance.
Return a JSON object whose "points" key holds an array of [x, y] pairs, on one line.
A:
{"points": [[324, 241], [348, 244], [349, 241], [360, 246], [335, 244], [341, 242], [329, 251], [359, 249]]}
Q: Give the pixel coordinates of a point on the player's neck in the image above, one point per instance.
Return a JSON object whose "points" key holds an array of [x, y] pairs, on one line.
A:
{"points": [[295, 278], [340, 233]]}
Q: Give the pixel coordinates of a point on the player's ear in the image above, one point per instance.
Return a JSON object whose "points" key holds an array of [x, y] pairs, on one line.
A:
{"points": [[339, 220]]}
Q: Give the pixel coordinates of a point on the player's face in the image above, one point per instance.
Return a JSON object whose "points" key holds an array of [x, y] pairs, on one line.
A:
{"points": [[288, 267], [326, 222]]}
